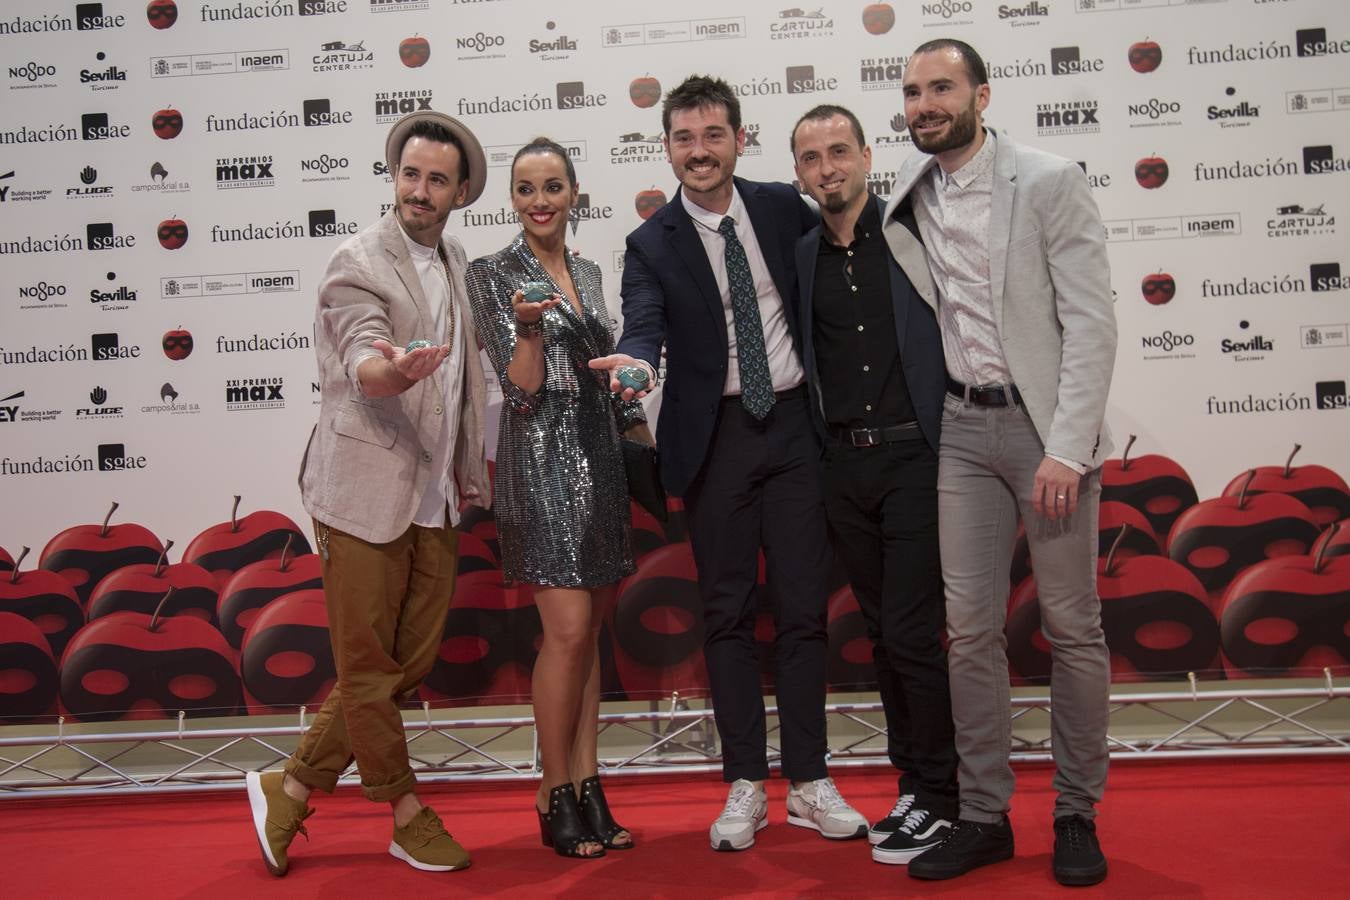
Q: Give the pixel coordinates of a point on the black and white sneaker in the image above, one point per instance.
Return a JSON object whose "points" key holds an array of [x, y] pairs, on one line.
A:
{"points": [[920, 830], [889, 825]]}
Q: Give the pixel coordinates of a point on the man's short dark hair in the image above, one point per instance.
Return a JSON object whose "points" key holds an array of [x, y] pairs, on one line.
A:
{"points": [[701, 92], [975, 69], [820, 114], [435, 131]]}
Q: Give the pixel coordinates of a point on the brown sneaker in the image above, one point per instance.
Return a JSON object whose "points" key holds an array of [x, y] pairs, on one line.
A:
{"points": [[276, 818], [425, 844]]}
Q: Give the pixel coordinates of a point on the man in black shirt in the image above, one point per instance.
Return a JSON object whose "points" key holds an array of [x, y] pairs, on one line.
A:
{"points": [[873, 358]]}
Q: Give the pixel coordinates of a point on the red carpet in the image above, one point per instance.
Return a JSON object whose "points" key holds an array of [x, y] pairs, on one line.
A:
{"points": [[1192, 829]]}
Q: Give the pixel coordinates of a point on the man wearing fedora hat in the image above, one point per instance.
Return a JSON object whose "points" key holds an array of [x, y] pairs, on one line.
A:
{"points": [[398, 446]]}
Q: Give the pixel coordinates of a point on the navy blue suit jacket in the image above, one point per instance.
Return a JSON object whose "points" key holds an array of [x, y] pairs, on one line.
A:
{"points": [[916, 332], [670, 296]]}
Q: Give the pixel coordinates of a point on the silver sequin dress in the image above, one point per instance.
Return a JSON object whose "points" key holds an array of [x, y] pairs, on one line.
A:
{"points": [[561, 496]]}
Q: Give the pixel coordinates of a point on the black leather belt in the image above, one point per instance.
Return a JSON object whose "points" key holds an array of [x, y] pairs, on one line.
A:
{"points": [[874, 437], [985, 394]]}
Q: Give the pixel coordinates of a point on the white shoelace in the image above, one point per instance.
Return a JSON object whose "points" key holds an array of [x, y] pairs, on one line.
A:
{"points": [[913, 820], [901, 807], [828, 796], [740, 802]]}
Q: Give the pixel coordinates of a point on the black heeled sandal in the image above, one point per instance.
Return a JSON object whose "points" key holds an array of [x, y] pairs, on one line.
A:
{"points": [[563, 828], [595, 811]]}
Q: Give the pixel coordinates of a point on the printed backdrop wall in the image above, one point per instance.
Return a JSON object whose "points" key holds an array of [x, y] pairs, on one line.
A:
{"points": [[174, 175]]}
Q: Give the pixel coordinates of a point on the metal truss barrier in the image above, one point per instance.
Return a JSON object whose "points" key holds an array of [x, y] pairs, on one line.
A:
{"points": [[1194, 723]]}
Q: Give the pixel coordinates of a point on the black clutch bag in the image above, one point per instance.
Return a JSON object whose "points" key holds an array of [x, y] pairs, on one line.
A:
{"points": [[644, 476]]}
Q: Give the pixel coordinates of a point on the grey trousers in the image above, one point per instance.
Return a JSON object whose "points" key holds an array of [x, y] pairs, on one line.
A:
{"points": [[987, 465]]}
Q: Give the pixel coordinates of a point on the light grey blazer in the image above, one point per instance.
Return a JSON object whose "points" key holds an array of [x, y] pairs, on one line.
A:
{"points": [[1051, 285], [367, 465]]}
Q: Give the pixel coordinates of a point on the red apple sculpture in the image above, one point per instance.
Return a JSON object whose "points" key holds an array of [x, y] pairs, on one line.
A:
{"points": [[1289, 616], [45, 599], [27, 672], [257, 584], [489, 644], [135, 666], [1155, 485], [1216, 539], [84, 554], [1159, 621], [286, 659], [140, 588], [229, 546], [1321, 490]]}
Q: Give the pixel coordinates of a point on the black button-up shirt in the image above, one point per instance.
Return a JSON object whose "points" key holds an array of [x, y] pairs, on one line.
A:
{"points": [[853, 321]]}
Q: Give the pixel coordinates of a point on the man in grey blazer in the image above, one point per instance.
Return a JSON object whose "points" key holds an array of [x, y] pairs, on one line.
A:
{"points": [[398, 446], [1018, 257]]}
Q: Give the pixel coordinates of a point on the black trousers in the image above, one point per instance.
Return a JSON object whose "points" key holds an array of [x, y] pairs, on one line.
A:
{"points": [[760, 489], [882, 507]]}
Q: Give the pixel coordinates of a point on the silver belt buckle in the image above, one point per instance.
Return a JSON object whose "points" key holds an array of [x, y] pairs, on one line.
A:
{"points": [[866, 440]]}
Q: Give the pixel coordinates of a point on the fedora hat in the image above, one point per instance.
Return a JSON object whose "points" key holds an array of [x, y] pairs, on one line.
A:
{"points": [[473, 151]]}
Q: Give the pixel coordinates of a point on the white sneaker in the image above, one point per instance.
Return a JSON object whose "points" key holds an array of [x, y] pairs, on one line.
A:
{"points": [[746, 812], [819, 805]]}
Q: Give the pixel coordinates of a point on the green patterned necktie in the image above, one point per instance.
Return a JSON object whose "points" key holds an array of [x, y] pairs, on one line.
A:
{"points": [[751, 357]]}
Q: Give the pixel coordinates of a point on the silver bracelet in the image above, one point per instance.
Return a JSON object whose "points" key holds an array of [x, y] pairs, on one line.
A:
{"points": [[530, 329]]}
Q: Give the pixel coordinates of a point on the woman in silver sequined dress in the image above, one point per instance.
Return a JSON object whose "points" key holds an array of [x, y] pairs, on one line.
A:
{"points": [[561, 495]]}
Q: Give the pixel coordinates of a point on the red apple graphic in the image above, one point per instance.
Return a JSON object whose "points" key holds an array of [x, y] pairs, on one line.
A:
{"points": [[45, 599], [177, 343], [645, 92], [6, 561], [850, 666], [140, 588], [1338, 544], [161, 13], [1151, 172], [1158, 288], [286, 658], [648, 202], [1124, 531], [229, 546], [481, 524], [84, 554], [489, 643], [414, 52], [1158, 620], [1028, 651], [1155, 485], [172, 234], [1145, 56], [131, 665], [1289, 616], [1321, 490], [167, 124], [27, 671], [252, 587], [658, 625], [878, 18], [1216, 539]]}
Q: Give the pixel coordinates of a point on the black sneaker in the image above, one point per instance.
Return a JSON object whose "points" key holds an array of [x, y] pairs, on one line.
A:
{"points": [[920, 830], [1078, 855], [889, 825], [969, 845]]}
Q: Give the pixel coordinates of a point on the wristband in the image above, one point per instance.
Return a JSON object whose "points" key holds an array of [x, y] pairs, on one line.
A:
{"points": [[530, 329]]}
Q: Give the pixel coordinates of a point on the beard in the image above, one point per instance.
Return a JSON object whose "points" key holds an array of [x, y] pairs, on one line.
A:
{"points": [[960, 132]]}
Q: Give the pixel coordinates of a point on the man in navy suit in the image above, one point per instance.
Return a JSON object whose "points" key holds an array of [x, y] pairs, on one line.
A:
{"points": [[873, 358], [710, 275]]}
